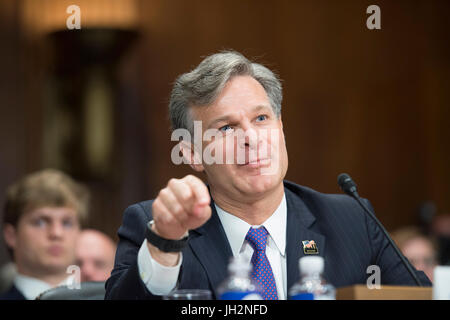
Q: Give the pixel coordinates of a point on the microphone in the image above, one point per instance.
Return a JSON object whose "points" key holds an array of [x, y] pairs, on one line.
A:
{"points": [[347, 185]]}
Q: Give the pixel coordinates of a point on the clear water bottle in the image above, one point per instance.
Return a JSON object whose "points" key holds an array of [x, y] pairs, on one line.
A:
{"points": [[239, 285], [312, 285]]}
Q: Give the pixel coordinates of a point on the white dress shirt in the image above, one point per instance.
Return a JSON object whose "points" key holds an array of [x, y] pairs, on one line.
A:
{"points": [[32, 287], [160, 280]]}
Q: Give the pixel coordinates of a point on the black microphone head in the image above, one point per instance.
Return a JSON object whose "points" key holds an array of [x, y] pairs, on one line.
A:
{"points": [[347, 184]]}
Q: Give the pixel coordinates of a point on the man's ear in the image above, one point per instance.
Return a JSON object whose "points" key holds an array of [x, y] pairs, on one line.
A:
{"points": [[191, 156], [10, 235]]}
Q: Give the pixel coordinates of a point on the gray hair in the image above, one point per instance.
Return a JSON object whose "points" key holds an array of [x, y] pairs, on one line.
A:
{"points": [[201, 86]]}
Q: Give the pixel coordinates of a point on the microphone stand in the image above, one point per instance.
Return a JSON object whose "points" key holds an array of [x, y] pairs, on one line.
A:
{"points": [[349, 187], [386, 234]]}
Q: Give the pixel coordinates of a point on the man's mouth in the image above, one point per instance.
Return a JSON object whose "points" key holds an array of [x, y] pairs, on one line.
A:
{"points": [[55, 250], [257, 163]]}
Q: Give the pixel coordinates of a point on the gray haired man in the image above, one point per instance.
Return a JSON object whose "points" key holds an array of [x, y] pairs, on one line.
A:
{"points": [[186, 236]]}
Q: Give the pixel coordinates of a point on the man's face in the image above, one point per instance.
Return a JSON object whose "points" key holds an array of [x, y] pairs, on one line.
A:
{"points": [[95, 256], [44, 240], [259, 159], [420, 253]]}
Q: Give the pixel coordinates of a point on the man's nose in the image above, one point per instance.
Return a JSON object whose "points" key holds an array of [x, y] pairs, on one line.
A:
{"points": [[56, 230], [87, 272], [250, 137]]}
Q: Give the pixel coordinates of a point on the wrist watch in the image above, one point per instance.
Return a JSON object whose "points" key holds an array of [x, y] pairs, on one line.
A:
{"points": [[163, 244]]}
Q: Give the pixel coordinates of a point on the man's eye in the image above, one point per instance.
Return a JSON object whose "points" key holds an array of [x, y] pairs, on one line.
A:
{"points": [[39, 223], [68, 224], [261, 117], [225, 128]]}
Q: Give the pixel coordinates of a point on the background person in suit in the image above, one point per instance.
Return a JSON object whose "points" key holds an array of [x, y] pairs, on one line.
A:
{"points": [[95, 253], [41, 223], [420, 249], [228, 93], [440, 230], [7, 274]]}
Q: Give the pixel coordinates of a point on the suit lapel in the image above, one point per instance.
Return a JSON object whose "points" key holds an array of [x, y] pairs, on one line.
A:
{"points": [[300, 227], [212, 249], [210, 245]]}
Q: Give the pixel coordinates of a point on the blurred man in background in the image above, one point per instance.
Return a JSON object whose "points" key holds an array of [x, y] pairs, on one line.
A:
{"points": [[41, 223], [7, 274], [95, 255], [440, 229], [419, 249]]}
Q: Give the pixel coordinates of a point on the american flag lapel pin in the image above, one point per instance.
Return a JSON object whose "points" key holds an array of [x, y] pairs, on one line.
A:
{"points": [[310, 247]]}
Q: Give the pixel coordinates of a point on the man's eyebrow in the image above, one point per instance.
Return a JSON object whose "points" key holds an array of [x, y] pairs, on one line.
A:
{"points": [[39, 213], [261, 107], [41, 216], [227, 117]]}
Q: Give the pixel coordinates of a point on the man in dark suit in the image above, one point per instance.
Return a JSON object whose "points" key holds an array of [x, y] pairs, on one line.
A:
{"points": [[195, 229]]}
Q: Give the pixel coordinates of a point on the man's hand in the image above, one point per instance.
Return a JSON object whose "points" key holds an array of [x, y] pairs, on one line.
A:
{"points": [[181, 206]]}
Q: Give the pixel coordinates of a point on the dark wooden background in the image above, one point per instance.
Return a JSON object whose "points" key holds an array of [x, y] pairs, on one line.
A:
{"points": [[373, 103]]}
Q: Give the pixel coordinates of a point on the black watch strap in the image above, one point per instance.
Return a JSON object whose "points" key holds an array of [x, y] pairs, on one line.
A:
{"points": [[162, 244]]}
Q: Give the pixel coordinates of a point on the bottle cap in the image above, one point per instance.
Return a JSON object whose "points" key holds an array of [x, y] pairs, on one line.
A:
{"points": [[239, 264], [311, 264]]}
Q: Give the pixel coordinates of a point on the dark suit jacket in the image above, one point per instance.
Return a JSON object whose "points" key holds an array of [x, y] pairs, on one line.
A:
{"points": [[347, 238], [12, 294]]}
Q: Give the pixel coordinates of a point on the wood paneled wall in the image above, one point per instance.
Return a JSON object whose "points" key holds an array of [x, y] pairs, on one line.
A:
{"points": [[373, 103]]}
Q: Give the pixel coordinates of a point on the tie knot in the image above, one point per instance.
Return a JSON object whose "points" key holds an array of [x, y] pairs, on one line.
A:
{"points": [[257, 238]]}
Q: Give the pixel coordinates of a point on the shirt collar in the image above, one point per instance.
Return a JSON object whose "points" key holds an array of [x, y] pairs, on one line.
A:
{"points": [[236, 229], [33, 287]]}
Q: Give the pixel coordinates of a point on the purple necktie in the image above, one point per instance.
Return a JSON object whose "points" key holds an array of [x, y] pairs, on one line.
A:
{"points": [[262, 271]]}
